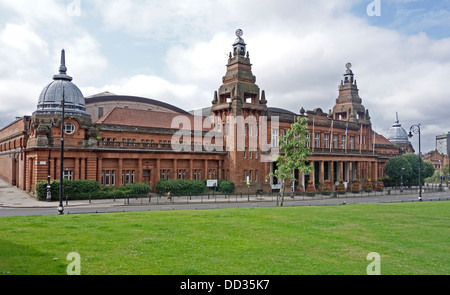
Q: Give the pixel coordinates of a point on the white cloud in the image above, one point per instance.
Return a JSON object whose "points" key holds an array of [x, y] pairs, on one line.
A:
{"points": [[20, 47], [39, 11], [180, 95], [84, 59]]}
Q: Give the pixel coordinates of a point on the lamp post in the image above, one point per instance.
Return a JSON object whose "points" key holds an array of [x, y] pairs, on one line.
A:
{"points": [[401, 179], [416, 130], [49, 192], [61, 169]]}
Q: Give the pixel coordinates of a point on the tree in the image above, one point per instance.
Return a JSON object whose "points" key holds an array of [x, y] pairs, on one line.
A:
{"points": [[399, 170], [293, 154], [406, 168]]}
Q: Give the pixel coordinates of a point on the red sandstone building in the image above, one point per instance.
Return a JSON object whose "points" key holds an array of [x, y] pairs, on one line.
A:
{"points": [[117, 140]]}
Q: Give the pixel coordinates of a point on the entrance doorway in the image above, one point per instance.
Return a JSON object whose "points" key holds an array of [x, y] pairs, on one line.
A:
{"points": [[146, 176]]}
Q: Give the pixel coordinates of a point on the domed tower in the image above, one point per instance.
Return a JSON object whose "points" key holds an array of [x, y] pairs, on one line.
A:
{"points": [[49, 112], [50, 100], [399, 137]]}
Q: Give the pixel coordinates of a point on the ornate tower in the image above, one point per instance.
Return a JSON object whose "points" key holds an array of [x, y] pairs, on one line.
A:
{"points": [[239, 93], [349, 105], [239, 105]]}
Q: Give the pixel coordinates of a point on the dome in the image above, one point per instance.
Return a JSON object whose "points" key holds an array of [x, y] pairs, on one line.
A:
{"points": [[397, 134], [52, 95]]}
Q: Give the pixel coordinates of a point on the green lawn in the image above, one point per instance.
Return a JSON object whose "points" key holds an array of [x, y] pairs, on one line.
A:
{"points": [[412, 238]]}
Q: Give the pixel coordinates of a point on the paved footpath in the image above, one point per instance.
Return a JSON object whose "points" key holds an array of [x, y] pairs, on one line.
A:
{"points": [[14, 201]]}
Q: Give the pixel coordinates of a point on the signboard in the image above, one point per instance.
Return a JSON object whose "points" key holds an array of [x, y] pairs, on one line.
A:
{"points": [[211, 182]]}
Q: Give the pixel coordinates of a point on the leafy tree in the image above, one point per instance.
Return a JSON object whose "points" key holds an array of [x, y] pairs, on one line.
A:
{"points": [[437, 174], [293, 154], [407, 167]]}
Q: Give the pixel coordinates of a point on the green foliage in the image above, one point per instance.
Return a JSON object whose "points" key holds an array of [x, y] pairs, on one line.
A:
{"points": [[138, 188], [225, 186], [406, 168], [435, 178], [85, 189], [260, 241], [180, 187], [293, 153], [71, 188]]}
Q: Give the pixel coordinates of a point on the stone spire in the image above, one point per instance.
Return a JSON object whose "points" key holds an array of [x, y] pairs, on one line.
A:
{"points": [[62, 69]]}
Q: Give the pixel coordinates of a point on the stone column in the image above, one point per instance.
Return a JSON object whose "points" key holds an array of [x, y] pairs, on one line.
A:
{"points": [[321, 172]]}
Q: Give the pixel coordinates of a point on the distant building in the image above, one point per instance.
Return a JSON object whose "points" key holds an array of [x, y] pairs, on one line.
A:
{"points": [[440, 156], [398, 136], [117, 139], [443, 144]]}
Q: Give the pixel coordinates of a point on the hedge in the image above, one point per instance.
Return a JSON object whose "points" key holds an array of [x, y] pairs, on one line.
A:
{"points": [[85, 189], [186, 187], [225, 186], [180, 187], [71, 188]]}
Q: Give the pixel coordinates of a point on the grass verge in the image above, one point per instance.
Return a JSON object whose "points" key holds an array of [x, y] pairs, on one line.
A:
{"points": [[411, 238]]}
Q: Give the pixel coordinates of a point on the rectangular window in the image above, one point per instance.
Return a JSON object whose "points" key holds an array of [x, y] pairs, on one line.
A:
{"points": [[68, 174], [275, 142], [107, 177], [343, 143], [317, 140], [100, 112], [335, 141], [127, 177], [326, 140], [352, 142], [256, 175]]}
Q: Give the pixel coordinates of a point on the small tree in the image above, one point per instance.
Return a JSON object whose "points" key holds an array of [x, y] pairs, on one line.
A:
{"points": [[293, 154]]}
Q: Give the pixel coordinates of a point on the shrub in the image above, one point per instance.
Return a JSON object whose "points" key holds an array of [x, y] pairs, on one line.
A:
{"points": [[180, 187], [138, 188], [73, 189], [311, 187], [355, 186], [340, 187], [326, 186], [225, 186]]}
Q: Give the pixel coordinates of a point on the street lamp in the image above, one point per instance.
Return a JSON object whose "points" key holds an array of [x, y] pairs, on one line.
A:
{"points": [[61, 169], [49, 192], [401, 179], [416, 130]]}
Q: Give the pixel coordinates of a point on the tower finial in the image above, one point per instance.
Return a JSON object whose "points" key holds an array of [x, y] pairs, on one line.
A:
{"points": [[62, 68]]}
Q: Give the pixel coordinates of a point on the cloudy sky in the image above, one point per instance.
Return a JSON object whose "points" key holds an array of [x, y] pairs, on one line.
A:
{"points": [[176, 50]]}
